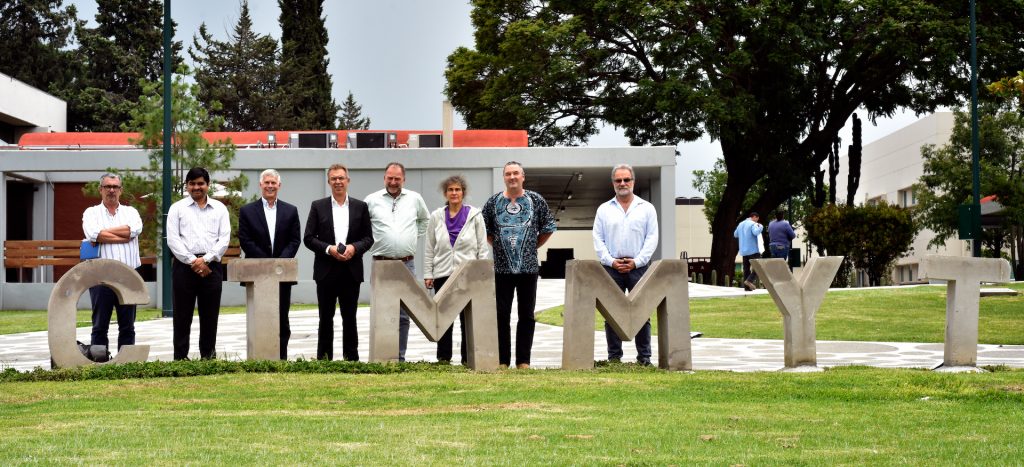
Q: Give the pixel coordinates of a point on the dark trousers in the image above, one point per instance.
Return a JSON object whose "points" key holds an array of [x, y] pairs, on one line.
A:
{"points": [[104, 301], [748, 272], [524, 286], [285, 329], [444, 344], [330, 293], [626, 282], [190, 292]]}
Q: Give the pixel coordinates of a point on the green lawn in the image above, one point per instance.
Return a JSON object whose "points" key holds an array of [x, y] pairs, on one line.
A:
{"points": [[15, 321], [913, 314], [615, 416]]}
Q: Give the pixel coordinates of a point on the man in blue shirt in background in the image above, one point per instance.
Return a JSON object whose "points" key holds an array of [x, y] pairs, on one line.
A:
{"points": [[747, 233], [780, 236]]}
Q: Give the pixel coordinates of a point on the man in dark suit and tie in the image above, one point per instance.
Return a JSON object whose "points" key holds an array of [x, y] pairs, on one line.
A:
{"points": [[338, 232], [269, 228]]}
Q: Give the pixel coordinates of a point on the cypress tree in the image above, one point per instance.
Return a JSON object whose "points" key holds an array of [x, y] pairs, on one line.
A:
{"points": [[305, 86]]}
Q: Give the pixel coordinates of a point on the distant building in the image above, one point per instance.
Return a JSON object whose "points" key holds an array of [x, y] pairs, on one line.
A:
{"points": [[25, 109], [889, 169]]}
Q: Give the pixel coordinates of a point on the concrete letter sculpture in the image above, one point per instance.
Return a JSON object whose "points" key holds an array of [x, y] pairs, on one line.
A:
{"points": [[664, 286], [262, 297], [470, 289], [127, 285], [963, 295], [798, 298]]}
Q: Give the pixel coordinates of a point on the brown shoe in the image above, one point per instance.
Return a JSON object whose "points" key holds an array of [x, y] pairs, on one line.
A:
{"points": [[749, 286], [523, 366]]}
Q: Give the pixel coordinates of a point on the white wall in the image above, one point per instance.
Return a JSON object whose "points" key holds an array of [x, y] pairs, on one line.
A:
{"points": [[39, 111]]}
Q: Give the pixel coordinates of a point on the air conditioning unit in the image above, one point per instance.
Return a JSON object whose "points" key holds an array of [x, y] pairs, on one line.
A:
{"points": [[425, 141], [371, 140], [313, 140]]}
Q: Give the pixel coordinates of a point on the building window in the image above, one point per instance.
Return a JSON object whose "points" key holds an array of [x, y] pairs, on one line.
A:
{"points": [[907, 198]]}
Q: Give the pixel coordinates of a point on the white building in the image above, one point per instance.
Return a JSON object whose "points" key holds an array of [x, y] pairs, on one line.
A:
{"points": [[25, 109], [889, 169]]}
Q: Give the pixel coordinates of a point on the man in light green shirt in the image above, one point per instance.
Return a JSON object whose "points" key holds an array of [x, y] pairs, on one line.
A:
{"points": [[399, 220]]}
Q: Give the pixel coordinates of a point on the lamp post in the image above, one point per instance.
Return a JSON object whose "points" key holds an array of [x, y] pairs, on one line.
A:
{"points": [[166, 258], [975, 144]]}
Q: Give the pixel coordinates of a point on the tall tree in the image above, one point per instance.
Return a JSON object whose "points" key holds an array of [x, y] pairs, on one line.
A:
{"points": [[772, 81], [305, 86], [143, 186], [34, 36], [240, 73], [352, 115], [123, 50], [946, 182]]}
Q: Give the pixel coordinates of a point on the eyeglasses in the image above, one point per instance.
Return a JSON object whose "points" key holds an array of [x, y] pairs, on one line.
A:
{"points": [[622, 180], [337, 179], [111, 187]]}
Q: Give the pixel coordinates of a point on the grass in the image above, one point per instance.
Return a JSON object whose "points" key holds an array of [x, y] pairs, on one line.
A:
{"points": [[16, 321], [619, 414], [913, 314]]}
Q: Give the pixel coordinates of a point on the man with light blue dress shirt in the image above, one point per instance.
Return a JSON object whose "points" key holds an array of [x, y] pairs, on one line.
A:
{"points": [[399, 219], [116, 229], [625, 237]]}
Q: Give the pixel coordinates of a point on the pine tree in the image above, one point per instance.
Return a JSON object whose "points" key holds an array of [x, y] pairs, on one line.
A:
{"points": [[305, 86], [352, 115], [125, 48], [33, 42], [240, 73]]}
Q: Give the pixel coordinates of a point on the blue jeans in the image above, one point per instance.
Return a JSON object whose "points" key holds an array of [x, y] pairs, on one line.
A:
{"points": [[779, 250], [643, 337], [103, 303]]}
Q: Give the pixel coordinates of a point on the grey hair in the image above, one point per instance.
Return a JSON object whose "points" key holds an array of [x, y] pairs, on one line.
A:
{"points": [[454, 180], [272, 173], [621, 167], [109, 175], [515, 163]]}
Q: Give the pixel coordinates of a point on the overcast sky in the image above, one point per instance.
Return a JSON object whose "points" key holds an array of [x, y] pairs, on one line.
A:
{"points": [[392, 53]]}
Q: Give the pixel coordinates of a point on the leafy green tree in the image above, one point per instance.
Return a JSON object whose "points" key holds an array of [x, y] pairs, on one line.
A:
{"points": [[772, 81], [352, 115], [123, 50], [711, 183], [34, 40], [871, 237], [947, 180], [143, 187], [305, 86], [1010, 88], [240, 73]]}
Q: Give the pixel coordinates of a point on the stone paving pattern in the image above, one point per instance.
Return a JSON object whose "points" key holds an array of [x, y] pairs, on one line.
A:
{"points": [[26, 351]]}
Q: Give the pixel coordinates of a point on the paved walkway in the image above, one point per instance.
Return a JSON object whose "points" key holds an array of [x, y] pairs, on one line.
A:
{"points": [[29, 350]]}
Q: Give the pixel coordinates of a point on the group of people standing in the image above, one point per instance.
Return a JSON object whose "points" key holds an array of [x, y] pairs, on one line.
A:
{"points": [[340, 230], [780, 241]]}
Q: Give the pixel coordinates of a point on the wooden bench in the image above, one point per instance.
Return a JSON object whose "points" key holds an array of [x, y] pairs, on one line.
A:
{"points": [[21, 254]]}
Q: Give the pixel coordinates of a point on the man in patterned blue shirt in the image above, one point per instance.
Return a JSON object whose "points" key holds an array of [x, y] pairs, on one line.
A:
{"points": [[518, 222]]}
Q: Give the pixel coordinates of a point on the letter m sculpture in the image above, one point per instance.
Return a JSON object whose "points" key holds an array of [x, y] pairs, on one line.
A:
{"points": [[664, 287], [469, 290]]}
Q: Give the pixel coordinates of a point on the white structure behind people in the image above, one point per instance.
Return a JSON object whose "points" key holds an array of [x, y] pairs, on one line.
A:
{"points": [[625, 237], [748, 233], [399, 219], [455, 234], [518, 222], [198, 233], [115, 228]]}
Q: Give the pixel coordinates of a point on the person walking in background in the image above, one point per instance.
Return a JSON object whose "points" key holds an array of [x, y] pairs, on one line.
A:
{"points": [[198, 232], [747, 233], [399, 219], [338, 233], [455, 234], [116, 229], [625, 236], [269, 228], [780, 236], [518, 222]]}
